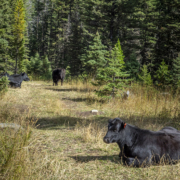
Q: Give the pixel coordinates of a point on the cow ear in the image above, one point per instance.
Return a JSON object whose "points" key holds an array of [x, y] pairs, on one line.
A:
{"points": [[110, 120], [123, 125]]}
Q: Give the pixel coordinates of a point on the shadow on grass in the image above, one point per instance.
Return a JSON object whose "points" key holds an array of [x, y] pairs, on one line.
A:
{"points": [[153, 122], [67, 90], [39, 85], [67, 122], [89, 100], [56, 123], [82, 159]]}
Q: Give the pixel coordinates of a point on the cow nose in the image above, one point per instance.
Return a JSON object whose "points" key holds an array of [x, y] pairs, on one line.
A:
{"points": [[106, 140]]}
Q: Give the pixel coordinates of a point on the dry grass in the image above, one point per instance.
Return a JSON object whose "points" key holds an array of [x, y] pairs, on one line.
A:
{"points": [[67, 144]]}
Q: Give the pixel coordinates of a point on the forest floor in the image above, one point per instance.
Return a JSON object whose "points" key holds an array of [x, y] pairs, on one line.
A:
{"points": [[66, 139]]}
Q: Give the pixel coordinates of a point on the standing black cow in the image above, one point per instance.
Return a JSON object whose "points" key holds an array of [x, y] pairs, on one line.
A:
{"points": [[143, 147], [58, 74], [16, 79]]}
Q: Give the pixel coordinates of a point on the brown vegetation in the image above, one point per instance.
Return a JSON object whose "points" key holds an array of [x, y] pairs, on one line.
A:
{"points": [[61, 141]]}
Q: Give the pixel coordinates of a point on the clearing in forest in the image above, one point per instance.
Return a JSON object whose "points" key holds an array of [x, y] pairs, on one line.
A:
{"points": [[65, 141]]}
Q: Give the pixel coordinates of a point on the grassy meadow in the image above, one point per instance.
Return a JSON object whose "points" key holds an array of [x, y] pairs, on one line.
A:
{"points": [[61, 139]]}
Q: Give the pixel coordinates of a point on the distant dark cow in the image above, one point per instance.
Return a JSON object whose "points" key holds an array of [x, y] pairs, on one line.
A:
{"points": [[141, 147], [16, 79], [58, 74]]}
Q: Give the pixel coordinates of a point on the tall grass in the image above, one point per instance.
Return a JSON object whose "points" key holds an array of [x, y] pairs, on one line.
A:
{"points": [[67, 142], [12, 140], [3, 86]]}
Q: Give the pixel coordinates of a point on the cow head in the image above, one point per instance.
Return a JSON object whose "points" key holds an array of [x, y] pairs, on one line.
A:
{"points": [[25, 76], [115, 130]]}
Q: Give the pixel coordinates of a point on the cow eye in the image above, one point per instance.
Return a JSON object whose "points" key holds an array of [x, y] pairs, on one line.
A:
{"points": [[114, 130]]}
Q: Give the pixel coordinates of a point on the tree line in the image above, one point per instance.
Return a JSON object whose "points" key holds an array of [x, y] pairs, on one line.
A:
{"points": [[79, 35]]}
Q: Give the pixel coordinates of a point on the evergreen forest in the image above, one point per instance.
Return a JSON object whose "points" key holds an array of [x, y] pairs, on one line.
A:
{"points": [[37, 36], [121, 58]]}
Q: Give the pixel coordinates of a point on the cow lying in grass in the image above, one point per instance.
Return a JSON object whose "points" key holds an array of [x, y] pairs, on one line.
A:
{"points": [[141, 147]]}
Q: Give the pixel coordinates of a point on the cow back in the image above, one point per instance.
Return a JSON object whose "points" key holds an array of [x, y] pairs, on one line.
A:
{"points": [[59, 73]]}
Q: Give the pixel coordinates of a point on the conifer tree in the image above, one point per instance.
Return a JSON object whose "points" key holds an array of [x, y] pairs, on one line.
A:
{"points": [[35, 65], [132, 66], [145, 76], [176, 72], [46, 69], [167, 31], [162, 75], [95, 56], [112, 77], [19, 29], [3, 85], [5, 35], [76, 42]]}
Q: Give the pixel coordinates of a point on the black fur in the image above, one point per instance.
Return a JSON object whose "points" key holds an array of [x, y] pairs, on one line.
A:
{"points": [[58, 74], [16, 79], [141, 147]]}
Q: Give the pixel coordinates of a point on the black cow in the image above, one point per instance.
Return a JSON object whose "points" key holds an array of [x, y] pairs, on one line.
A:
{"points": [[16, 79], [58, 74], [141, 147]]}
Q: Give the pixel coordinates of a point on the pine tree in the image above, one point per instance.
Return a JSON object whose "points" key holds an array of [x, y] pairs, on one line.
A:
{"points": [[35, 66], [132, 66], [167, 31], [95, 56], [76, 42], [162, 75], [3, 85], [145, 76], [147, 27], [176, 72], [5, 35], [19, 29], [111, 77], [46, 69]]}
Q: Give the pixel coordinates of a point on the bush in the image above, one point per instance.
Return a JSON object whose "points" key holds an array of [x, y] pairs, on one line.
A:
{"points": [[3, 85], [162, 76], [145, 76], [39, 69]]}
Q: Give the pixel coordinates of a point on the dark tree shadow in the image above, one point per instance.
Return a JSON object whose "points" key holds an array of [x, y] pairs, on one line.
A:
{"points": [[67, 90], [82, 159], [56, 123], [85, 99], [40, 85], [67, 122]]}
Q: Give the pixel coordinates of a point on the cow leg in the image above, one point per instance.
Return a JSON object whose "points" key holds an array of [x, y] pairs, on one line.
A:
{"points": [[61, 82], [135, 162], [120, 154]]}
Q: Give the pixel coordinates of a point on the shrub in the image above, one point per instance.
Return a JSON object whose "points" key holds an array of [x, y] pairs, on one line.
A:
{"points": [[3, 85], [145, 76]]}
